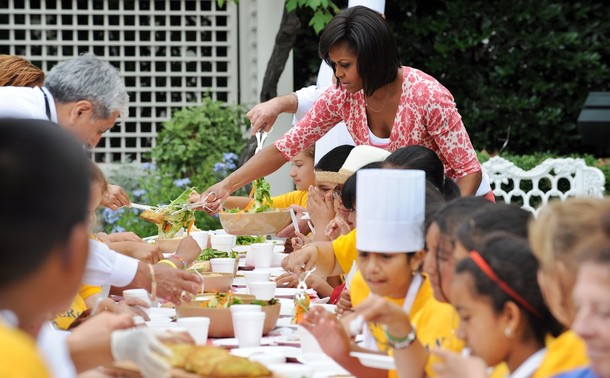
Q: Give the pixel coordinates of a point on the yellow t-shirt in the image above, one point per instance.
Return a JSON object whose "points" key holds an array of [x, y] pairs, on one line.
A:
{"points": [[566, 352], [436, 325], [423, 296], [63, 320], [296, 197], [18, 355], [344, 248]]}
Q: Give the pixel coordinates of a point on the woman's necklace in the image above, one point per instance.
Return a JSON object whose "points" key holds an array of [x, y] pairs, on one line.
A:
{"points": [[387, 94]]}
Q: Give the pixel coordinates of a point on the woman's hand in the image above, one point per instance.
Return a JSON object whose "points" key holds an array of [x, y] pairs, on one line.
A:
{"points": [[115, 198], [337, 227], [147, 253], [457, 366], [124, 236], [328, 331], [375, 309], [188, 250], [321, 208], [299, 241], [211, 200], [301, 260], [345, 303]]}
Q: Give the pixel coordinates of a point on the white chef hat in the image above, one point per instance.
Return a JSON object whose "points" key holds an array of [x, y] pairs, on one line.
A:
{"points": [[357, 158], [376, 5], [390, 210]]}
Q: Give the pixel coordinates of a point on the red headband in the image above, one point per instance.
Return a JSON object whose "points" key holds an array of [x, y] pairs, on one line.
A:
{"points": [[482, 264]]}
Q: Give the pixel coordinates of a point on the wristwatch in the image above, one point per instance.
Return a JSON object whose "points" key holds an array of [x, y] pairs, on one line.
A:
{"points": [[402, 342]]}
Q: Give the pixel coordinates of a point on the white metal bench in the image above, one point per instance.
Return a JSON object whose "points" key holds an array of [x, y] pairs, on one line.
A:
{"points": [[553, 178]]}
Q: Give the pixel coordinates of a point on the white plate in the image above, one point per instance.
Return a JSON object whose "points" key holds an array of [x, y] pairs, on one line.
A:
{"points": [[373, 360], [232, 341], [293, 340], [287, 351]]}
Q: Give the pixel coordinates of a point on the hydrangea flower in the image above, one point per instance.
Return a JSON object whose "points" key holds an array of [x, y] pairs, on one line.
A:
{"points": [[149, 166], [229, 157], [181, 183], [117, 228], [111, 216], [220, 168], [139, 193]]}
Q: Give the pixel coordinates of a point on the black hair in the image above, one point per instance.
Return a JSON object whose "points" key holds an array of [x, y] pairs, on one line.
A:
{"points": [[333, 160], [420, 157], [45, 191], [512, 261], [454, 213], [366, 33], [348, 193], [500, 217]]}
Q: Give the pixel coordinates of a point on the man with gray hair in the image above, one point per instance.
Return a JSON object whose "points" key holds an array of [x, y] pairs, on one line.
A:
{"points": [[85, 95]]}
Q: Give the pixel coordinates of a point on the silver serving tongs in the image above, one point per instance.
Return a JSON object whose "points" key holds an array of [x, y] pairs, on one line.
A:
{"points": [[191, 206], [261, 136]]}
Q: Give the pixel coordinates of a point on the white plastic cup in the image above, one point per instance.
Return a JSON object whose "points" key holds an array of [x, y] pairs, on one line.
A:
{"points": [[220, 231], [262, 290], [248, 327], [197, 327], [256, 276], [277, 259], [223, 265], [141, 294], [245, 308], [263, 255], [223, 242], [201, 237]]}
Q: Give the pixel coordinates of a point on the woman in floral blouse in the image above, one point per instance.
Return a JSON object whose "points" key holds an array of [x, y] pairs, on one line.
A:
{"points": [[383, 104]]}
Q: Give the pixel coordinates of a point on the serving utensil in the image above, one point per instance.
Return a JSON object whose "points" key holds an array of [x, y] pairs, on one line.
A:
{"points": [[261, 136]]}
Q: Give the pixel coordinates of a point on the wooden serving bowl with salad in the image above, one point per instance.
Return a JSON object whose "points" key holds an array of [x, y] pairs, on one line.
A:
{"points": [[260, 219], [217, 308]]}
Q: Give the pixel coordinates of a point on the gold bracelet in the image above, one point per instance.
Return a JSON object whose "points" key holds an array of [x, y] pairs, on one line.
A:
{"points": [[170, 263], [153, 283]]}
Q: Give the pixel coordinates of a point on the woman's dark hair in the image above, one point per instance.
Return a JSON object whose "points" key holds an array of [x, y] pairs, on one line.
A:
{"points": [[500, 217], [450, 217], [348, 193], [38, 155], [512, 261], [333, 160], [366, 33], [420, 157]]}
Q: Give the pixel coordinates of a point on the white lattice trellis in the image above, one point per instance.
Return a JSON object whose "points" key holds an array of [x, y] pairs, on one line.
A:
{"points": [[553, 178], [169, 52]]}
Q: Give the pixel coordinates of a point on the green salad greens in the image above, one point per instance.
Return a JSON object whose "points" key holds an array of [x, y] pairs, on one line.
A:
{"points": [[247, 240], [175, 216], [262, 197], [211, 253]]}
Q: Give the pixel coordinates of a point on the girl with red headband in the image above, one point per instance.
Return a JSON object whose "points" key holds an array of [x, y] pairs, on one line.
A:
{"points": [[503, 317]]}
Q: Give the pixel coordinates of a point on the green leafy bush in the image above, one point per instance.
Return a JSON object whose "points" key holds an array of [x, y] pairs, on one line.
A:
{"points": [[197, 147]]}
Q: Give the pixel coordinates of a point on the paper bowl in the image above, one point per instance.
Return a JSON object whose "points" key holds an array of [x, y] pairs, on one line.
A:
{"points": [[169, 245], [221, 321], [270, 222]]}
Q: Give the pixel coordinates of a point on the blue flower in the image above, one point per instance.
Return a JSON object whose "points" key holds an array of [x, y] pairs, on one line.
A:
{"points": [[111, 216], [220, 168], [229, 157], [117, 228], [139, 193], [181, 183], [231, 166], [149, 166]]}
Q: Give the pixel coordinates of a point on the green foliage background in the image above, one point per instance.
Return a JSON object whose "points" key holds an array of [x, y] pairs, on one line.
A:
{"points": [[196, 147], [526, 65]]}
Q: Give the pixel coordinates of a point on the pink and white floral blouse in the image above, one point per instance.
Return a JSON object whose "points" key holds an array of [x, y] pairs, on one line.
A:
{"points": [[426, 116]]}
